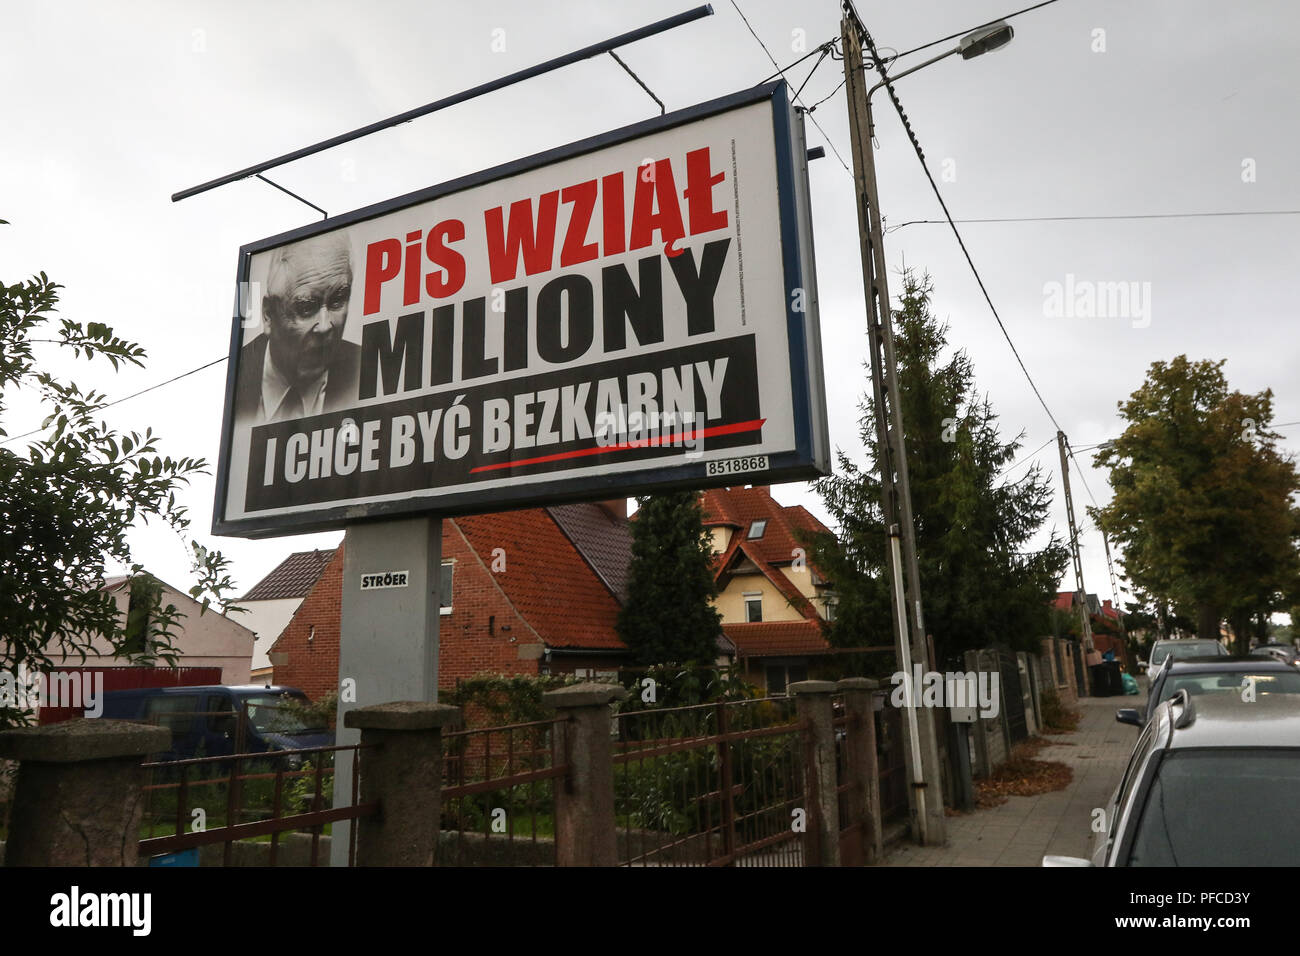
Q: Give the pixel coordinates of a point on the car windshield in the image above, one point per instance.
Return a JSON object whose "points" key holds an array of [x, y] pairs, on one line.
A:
{"points": [[1181, 650], [1269, 682], [1194, 812], [280, 715]]}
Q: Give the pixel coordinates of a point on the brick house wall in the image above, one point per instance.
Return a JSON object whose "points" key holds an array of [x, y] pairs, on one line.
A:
{"points": [[483, 632], [306, 655]]}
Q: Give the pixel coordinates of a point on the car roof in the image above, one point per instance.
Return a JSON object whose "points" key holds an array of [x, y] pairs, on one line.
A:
{"points": [[1224, 663], [1187, 640], [1225, 720]]}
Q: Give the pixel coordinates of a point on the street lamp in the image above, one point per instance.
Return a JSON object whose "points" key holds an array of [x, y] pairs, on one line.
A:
{"points": [[896, 491], [976, 43], [986, 39]]}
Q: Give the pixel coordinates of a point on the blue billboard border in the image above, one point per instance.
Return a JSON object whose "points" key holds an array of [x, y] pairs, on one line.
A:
{"points": [[788, 466]]}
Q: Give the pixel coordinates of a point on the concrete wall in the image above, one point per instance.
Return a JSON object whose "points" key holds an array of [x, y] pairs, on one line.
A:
{"points": [[988, 733]]}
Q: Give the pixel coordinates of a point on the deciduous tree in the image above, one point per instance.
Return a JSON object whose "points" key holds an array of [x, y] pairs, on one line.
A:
{"points": [[69, 497], [1202, 502]]}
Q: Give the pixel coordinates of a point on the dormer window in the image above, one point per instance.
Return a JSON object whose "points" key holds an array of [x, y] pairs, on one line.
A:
{"points": [[756, 529]]}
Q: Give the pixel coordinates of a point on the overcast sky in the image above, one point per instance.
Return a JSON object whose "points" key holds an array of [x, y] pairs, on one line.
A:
{"points": [[1098, 107]]}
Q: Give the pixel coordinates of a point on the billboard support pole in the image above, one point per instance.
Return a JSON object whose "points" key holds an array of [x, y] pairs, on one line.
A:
{"points": [[922, 752], [388, 632]]}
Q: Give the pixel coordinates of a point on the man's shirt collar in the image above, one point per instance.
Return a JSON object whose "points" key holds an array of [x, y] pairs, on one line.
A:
{"points": [[276, 389]]}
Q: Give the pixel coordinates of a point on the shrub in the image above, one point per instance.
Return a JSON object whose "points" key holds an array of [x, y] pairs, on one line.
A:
{"points": [[1056, 716]]}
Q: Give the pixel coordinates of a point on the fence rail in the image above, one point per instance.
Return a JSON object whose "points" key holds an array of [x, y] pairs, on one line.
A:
{"points": [[266, 808], [713, 784], [499, 784]]}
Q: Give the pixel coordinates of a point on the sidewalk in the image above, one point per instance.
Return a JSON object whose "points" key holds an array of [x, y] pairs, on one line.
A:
{"points": [[1022, 830]]}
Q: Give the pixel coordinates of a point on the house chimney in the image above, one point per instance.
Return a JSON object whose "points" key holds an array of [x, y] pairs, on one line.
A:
{"points": [[617, 507]]}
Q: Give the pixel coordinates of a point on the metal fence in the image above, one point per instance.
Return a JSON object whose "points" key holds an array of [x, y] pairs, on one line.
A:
{"points": [[714, 784], [247, 803], [498, 795], [891, 761]]}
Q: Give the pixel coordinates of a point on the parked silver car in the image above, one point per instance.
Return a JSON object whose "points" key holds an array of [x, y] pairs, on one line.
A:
{"points": [[1204, 774], [1183, 648]]}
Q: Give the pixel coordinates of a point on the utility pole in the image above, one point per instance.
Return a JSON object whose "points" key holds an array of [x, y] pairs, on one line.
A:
{"points": [[1064, 446], [1114, 588], [922, 752]]}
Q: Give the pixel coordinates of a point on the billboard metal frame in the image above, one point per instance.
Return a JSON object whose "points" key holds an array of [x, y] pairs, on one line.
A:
{"points": [[811, 457]]}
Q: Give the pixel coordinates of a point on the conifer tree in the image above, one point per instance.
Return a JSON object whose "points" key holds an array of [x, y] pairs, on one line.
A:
{"points": [[669, 616], [981, 583]]}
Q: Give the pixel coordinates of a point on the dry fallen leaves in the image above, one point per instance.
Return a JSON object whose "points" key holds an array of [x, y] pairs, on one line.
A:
{"points": [[1022, 776]]}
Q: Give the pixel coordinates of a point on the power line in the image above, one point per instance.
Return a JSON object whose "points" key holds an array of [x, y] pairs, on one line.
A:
{"points": [[796, 98], [962, 33], [1120, 216], [920, 155], [1031, 455], [1079, 469], [780, 71], [125, 398], [828, 95]]}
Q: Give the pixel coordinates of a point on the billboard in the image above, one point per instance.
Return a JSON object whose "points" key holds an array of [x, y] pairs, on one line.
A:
{"points": [[629, 313]]}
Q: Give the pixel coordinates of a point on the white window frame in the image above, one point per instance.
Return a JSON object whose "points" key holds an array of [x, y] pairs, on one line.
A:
{"points": [[447, 566]]}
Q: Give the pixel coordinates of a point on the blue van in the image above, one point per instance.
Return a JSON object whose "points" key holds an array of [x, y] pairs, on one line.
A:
{"points": [[214, 720]]}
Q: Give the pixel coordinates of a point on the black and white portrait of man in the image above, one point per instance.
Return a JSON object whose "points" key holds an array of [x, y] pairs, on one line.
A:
{"points": [[301, 365]]}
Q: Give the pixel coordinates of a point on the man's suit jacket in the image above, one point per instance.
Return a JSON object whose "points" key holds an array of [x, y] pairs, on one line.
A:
{"points": [[340, 388]]}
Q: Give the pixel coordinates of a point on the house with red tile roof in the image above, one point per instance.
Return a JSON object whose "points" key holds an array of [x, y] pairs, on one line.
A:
{"points": [[1105, 622], [772, 600], [535, 591], [269, 605]]}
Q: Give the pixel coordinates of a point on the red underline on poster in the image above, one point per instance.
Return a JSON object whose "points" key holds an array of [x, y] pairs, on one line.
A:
{"points": [[626, 446]]}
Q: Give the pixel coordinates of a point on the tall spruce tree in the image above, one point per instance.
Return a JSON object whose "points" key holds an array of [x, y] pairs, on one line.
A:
{"points": [[980, 582], [669, 617]]}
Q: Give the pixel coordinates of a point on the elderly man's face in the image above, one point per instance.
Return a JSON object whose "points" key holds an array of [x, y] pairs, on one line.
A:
{"points": [[305, 310]]}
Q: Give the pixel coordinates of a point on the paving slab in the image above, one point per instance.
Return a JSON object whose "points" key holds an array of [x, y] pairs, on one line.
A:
{"points": [[1024, 829]]}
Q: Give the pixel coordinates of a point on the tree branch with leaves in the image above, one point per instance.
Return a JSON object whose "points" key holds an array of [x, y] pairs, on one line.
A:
{"points": [[69, 498]]}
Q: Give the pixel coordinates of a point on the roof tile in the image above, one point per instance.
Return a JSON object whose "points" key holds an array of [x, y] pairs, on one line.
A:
{"points": [[546, 578], [603, 538], [293, 577], [776, 638]]}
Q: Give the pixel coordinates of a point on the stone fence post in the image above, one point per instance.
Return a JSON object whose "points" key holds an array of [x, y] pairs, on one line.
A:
{"points": [[812, 700], [400, 768], [78, 798], [585, 830], [861, 766]]}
